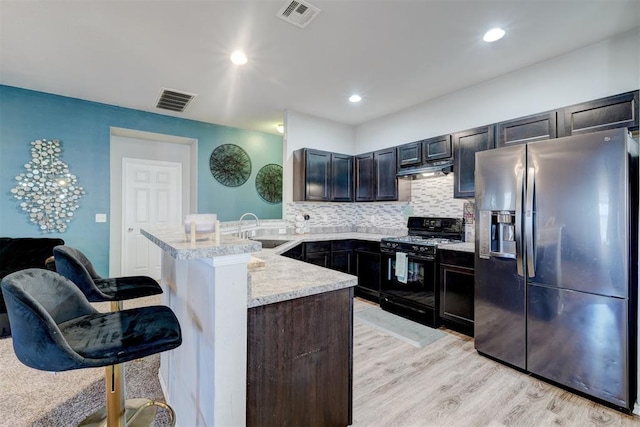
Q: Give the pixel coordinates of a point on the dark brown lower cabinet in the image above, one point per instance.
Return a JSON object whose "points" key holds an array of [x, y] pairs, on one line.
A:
{"points": [[300, 361], [457, 290]]}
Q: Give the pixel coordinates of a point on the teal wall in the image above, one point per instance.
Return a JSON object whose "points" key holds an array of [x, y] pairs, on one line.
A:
{"points": [[83, 130]]}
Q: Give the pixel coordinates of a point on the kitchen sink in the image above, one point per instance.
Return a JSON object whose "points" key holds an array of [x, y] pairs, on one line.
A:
{"points": [[271, 243]]}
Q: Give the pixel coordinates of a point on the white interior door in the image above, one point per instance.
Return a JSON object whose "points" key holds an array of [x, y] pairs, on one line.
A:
{"points": [[152, 195]]}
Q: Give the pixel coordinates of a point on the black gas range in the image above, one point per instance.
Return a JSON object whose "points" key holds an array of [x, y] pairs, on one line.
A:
{"points": [[410, 279]]}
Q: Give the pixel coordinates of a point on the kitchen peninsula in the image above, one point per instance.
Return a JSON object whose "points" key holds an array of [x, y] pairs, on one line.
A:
{"points": [[270, 347]]}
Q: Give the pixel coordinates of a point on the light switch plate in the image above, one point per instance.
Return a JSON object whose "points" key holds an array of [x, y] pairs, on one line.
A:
{"points": [[101, 217]]}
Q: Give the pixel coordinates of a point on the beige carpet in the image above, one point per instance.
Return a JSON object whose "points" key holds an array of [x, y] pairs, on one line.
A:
{"points": [[35, 398]]}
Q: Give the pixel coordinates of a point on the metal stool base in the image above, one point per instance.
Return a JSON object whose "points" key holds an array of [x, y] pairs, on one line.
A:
{"points": [[138, 413]]}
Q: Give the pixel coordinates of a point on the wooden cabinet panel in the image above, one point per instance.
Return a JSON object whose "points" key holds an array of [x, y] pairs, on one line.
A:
{"points": [[365, 181], [311, 175], [342, 256], [322, 246], [318, 166], [527, 129], [367, 259], [322, 259], [385, 173], [300, 361], [465, 146], [437, 148], [410, 154], [457, 290], [297, 252], [607, 113], [341, 177], [342, 261], [318, 253]]}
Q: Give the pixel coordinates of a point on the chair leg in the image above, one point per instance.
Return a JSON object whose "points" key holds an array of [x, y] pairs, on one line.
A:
{"points": [[119, 412], [114, 377]]}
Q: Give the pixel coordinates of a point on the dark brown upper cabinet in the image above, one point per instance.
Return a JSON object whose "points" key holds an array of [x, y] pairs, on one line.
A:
{"points": [[436, 148], [330, 177], [606, 113], [341, 178], [527, 129], [322, 176], [465, 146], [365, 178], [384, 162], [312, 174], [376, 178], [410, 154]]}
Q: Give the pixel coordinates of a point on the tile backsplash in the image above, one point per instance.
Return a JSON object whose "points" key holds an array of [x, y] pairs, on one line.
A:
{"points": [[429, 197]]}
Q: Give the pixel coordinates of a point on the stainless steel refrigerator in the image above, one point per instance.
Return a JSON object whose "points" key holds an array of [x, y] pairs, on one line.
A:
{"points": [[556, 268]]}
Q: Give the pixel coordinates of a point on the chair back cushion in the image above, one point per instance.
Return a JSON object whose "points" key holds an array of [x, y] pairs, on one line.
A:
{"points": [[37, 301], [72, 264]]}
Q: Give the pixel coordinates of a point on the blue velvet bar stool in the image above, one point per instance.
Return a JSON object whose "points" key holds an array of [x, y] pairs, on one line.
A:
{"points": [[56, 329], [75, 266]]}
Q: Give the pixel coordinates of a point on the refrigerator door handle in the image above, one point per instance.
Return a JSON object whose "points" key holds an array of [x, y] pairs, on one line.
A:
{"points": [[528, 223], [518, 219]]}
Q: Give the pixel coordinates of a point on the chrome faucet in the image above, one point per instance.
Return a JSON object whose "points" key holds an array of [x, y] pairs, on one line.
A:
{"points": [[240, 222]]}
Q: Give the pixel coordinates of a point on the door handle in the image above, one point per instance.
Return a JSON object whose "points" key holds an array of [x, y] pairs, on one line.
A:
{"points": [[529, 214], [518, 219], [130, 229]]}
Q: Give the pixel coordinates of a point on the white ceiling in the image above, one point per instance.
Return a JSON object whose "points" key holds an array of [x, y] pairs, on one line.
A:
{"points": [[394, 53]]}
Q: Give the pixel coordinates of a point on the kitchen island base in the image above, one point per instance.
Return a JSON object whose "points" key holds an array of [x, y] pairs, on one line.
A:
{"points": [[300, 361], [204, 378]]}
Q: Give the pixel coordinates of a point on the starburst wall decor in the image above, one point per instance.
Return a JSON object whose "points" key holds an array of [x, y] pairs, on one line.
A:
{"points": [[48, 192]]}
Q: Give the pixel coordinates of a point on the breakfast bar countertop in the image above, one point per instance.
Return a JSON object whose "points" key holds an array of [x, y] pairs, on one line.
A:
{"points": [[174, 241]]}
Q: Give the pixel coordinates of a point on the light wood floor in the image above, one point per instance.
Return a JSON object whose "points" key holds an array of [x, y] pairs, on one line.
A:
{"points": [[448, 384]]}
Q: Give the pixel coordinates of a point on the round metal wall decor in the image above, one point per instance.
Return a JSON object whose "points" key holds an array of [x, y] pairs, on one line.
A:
{"points": [[48, 192], [269, 183], [230, 165]]}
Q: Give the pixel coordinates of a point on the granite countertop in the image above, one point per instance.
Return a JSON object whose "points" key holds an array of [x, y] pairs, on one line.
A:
{"points": [[461, 247], [282, 278], [295, 239], [272, 277], [174, 241]]}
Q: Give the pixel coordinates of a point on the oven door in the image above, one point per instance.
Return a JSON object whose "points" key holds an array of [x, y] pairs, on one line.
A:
{"points": [[416, 299]]}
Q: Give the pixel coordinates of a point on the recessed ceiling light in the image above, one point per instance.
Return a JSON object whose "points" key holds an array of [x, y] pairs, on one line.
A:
{"points": [[493, 35], [355, 98], [238, 57], [280, 127]]}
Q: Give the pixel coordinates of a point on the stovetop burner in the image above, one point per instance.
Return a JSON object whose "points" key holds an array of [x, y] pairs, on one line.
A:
{"points": [[425, 234], [420, 240]]}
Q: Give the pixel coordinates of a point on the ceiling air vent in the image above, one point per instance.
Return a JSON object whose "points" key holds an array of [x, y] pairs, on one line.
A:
{"points": [[174, 100], [298, 13]]}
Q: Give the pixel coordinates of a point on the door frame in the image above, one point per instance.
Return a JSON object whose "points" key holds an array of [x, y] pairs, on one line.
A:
{"points": [[147, 146]]}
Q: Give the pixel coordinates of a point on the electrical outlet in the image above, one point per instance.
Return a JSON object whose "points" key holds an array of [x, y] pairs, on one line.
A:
{"points": [[253, 233], [282, 231], [101, 217]]}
